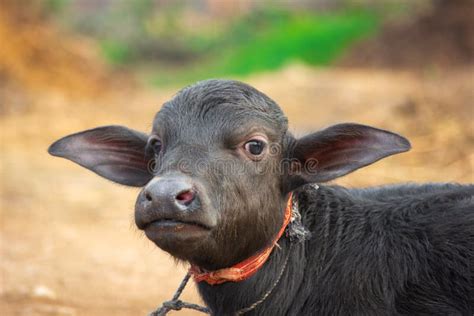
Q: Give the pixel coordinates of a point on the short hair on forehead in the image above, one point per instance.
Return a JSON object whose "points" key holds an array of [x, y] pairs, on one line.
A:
{"points": [[208, 95]]}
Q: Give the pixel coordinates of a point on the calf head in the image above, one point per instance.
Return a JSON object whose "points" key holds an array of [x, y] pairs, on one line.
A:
{"points": [[218, 166]]}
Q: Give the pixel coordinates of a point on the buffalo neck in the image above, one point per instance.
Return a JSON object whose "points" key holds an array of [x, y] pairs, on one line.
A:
{"points": [[230, 297], [284, 269]]}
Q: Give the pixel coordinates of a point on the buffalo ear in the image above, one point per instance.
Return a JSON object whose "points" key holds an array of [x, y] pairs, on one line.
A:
{"points": [[341, 149], [113, 152]]}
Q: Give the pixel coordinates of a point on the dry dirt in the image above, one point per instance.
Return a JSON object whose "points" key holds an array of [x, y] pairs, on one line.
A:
{"points": [[68, 242]]}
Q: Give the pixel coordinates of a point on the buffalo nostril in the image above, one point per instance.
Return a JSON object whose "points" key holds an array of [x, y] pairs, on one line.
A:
{"points": [[148, 196], [185, 197]]}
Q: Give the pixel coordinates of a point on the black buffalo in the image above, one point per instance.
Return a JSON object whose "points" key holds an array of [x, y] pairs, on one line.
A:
{"points": [[217, 170]]}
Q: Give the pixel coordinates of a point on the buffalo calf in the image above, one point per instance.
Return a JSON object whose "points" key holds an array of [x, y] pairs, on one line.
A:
{"points": [[229, 190]]}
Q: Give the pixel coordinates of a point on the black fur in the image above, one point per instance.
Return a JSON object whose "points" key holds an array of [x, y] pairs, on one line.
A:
{"points": [[395, 250]]}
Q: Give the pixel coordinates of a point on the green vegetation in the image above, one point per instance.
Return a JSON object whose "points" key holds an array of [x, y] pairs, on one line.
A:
{"points": [[115, 52], [54, 6], [267, 40], [311, 38], [182, 41]]}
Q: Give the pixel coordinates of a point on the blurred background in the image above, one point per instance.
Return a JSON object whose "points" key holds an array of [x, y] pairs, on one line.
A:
{"points": [[68, 241]]}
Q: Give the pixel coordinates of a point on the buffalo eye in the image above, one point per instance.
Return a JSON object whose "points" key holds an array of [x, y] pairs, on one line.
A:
{"points": [[255, 147], [154, 144]]}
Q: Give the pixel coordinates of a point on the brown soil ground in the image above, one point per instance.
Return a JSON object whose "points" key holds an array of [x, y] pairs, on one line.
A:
{"points": [[68, 245]]}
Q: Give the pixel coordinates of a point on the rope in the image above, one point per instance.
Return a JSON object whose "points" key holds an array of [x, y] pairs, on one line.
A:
{"points": [[176, 304], [296, 232], [264, 297]]}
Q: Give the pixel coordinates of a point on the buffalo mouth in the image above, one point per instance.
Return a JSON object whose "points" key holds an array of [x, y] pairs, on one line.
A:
{"points": [[175, 229], [176, 225]]}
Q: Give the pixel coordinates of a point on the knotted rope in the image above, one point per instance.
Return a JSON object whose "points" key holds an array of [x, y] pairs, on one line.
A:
{"points": [[176, 304]]}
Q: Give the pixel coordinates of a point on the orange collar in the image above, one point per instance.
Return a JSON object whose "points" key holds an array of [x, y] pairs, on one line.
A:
{"points": [[246, 268]]}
